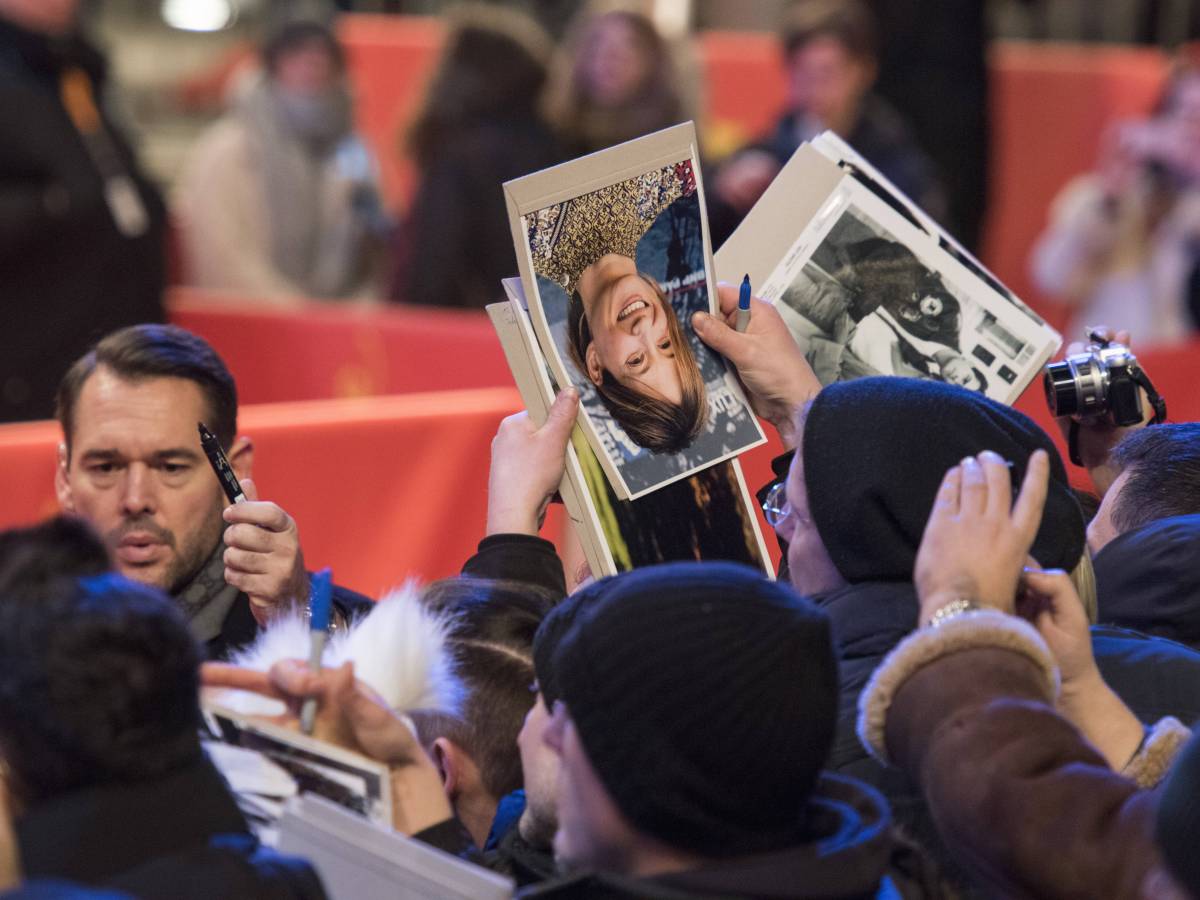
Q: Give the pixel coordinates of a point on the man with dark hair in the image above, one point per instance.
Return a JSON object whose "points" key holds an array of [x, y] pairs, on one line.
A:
{"points": [[1145, 537], [1159, 477], [99, 719], [131, 464], [491, 639], [830, 52]]}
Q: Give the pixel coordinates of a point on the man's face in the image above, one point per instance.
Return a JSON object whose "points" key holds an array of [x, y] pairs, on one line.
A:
{"points": [[592, 834], [137, 473], [1101, 529], [827, 82], [631, 337], [539, 764], [809, 566]]}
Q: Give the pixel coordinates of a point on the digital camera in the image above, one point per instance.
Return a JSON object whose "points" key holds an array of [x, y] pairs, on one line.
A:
{"points": [[1103, 382]]}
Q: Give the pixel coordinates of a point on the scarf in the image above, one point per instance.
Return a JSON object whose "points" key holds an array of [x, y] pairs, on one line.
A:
{"points": [[207, 599], [294, 141]]}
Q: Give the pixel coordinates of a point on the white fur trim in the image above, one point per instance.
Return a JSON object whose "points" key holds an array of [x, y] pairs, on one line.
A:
{"points": [[966, 631], [398, 649]]}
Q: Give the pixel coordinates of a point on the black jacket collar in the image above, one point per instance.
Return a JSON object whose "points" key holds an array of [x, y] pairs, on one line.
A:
{"points": [[870, 618], [847, 858], [1148, 579], [93, 835]]}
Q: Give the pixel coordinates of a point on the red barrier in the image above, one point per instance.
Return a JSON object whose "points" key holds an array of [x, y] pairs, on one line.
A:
{"points": [[381, 488], [318, 350], [391, 486]]}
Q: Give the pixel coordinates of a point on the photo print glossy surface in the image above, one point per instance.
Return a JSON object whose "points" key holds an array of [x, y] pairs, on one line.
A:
{"points": [[617, 273]]}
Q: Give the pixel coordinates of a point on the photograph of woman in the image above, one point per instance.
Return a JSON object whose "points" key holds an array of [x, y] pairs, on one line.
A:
{"points": [[619, 271], [625, 336]]}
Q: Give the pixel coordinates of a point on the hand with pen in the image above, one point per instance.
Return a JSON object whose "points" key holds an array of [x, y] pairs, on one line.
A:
{"points": [[263, 558], [352, 716], [262, 543], [777, 378]]}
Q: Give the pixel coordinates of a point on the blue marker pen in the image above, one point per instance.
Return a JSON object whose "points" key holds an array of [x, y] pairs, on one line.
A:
{"points": [[743, 313], [319, 610]]}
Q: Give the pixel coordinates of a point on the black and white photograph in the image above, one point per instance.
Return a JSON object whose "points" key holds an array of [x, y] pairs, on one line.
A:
{"points": [[860, 294], [618, 272]]}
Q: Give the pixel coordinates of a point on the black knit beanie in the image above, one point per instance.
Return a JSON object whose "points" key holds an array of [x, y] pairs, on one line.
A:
{"points": [[876, 450], [1178, 826], [705, 696], [550, 632]]}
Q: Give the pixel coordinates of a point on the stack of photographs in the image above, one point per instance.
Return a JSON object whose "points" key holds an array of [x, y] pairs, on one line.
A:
{"points": [[871, 285], [614, 257], [266, 765]]}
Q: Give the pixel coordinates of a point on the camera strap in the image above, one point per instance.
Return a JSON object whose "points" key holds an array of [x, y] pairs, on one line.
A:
{"points": [[1157, 403], [1142, 380]]}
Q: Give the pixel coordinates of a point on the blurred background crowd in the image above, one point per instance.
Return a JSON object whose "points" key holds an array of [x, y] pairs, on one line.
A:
{"points": [[272, 153]]}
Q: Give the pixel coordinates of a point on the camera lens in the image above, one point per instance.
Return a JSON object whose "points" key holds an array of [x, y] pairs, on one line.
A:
{"points": [[1062, 395]]}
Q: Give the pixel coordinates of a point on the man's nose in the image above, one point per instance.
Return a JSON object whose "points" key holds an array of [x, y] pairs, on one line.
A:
{"points": [[137, 491]]}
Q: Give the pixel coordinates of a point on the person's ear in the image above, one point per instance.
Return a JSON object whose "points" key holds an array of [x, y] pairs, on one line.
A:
{"points": [[595, 370], [62, 481], [241, 457], [447, 757]]}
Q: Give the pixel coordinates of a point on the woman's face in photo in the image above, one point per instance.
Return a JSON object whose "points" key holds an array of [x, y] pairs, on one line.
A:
{"points": [[629, 327], [958, 370]]}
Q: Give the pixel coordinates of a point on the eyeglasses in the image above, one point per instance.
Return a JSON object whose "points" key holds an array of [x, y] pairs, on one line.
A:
{"points": [[776, 507]]}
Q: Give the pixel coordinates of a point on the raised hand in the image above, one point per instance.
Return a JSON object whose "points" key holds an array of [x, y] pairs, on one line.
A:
{"points": [[527, 465], [977, 540]]}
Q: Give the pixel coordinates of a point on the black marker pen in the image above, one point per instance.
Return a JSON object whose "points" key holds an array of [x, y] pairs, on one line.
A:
{"points": [[220, 463]]}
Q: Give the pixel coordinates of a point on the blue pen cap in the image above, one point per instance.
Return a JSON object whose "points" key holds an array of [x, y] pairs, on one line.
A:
{"points": [[321, 600]]}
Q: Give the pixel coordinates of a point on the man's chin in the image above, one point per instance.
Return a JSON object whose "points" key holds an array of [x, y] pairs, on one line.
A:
{"points": [[536, 830], [151, 574]]}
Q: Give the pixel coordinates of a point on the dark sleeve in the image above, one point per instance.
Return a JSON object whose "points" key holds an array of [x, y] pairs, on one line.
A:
{"points": [[1018, 795], [351, 604], [519, 557], [451, 836]]}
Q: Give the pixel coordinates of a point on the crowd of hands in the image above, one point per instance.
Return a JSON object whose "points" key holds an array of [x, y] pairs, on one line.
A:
{"points": [[976, 545]]}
